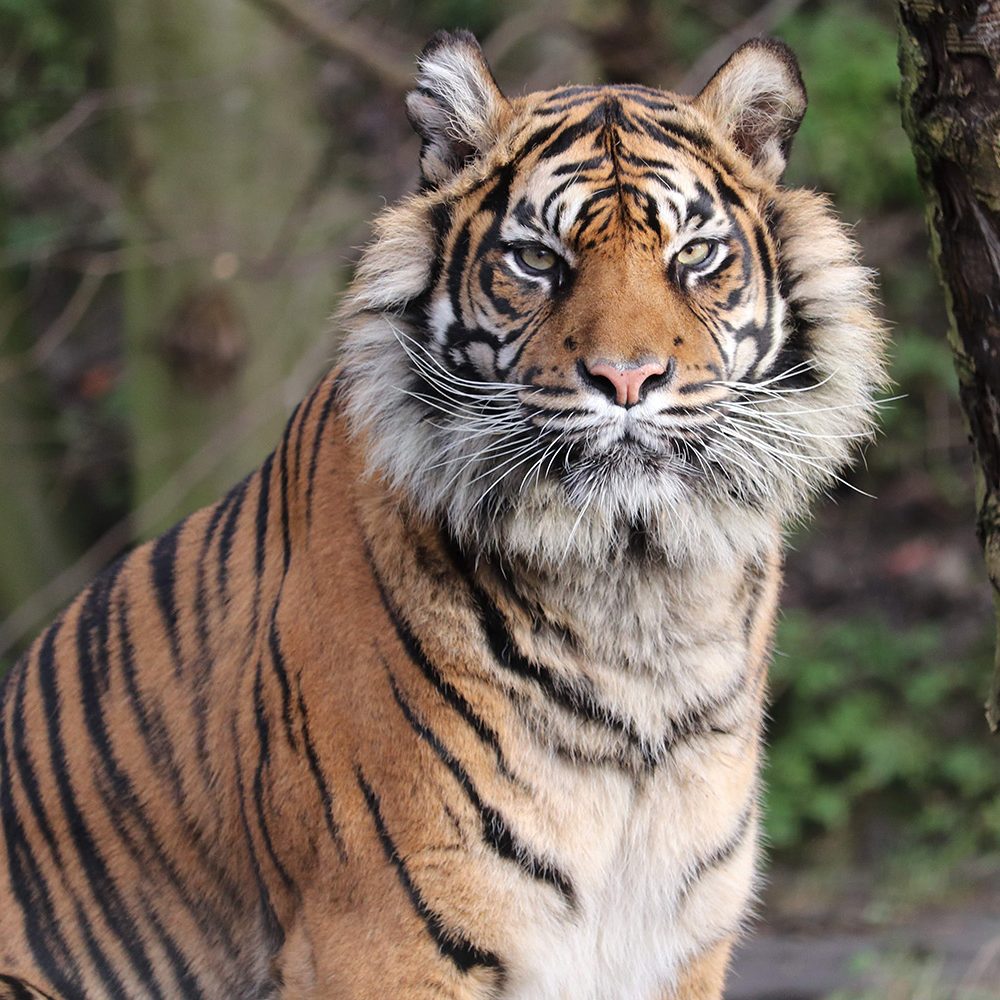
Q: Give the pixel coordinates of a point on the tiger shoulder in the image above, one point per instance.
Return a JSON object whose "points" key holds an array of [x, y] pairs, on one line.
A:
{"points": [[460, 694]]}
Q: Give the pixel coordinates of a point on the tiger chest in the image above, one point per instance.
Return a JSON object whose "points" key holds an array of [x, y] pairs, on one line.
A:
{"points": [[661, 871]]}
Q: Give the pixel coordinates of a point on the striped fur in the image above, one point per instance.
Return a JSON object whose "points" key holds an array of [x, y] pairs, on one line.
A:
{"points": [[460, 694]]}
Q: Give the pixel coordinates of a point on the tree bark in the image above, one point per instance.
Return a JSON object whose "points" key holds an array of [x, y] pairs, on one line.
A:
{"points": [[949, 56]]}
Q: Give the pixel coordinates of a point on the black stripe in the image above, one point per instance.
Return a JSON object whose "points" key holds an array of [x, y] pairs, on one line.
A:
{"points": [[190, 988], [163, 563], [213, 925], [324, 416], [264, 764], [456, 269], [452, 945], [149, 718], [445, 688], [652, 101], [672, 130], [238, 493], [80, 839], [18, 989], [20, 753], [306, 409], [571, 134], [579, 698], [578, 166], [206, 659], [272, 927], [260, 544], [92, 667], [575, 697], [153, 729], [49, 949], [722, 853], [286, 534], [326, 796], [538, 138], [119, 794], [281, 672], [550, 108], [201, 572], [496, 830]]}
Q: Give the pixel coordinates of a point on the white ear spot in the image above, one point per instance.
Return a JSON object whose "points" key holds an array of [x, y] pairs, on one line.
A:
{"points": [[758, 99], [457, 108]]}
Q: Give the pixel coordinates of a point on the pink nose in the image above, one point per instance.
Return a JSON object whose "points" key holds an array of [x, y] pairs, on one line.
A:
{"points": [[626, 381]]}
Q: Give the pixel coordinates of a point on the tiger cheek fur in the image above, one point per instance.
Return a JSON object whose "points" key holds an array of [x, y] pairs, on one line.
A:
{"points": [[460, 694]]}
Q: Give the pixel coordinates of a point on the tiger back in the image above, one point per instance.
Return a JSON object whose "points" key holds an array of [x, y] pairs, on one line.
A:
{"points": [[460, 694]]}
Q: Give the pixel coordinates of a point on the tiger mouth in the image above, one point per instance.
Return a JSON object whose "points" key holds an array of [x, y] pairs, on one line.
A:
{"points": [[667, 455]]}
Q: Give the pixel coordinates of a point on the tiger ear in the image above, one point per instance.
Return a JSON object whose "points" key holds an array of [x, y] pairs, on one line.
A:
{"points": [[457, 108], [758, 98]]}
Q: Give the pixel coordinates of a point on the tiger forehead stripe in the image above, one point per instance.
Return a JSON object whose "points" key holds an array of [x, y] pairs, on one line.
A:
{"points": [[607, 164]]}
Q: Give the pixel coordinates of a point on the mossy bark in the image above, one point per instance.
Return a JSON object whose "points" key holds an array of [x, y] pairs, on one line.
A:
{"points": [[949, 56]]}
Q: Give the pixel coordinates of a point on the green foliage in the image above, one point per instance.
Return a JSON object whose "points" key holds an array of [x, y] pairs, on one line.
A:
{"points": [[851, 142], [871, 720], [44, 60]]}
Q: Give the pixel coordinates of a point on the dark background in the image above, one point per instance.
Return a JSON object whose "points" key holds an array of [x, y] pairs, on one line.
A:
{"points": [[184, 186]]}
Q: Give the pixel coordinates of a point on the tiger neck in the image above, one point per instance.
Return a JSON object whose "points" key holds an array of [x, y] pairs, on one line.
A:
{"points": [[654, 646], [630, 612]]}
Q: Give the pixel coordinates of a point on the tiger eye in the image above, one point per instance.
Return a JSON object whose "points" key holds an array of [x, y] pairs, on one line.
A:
{"points": [[536, 258], [696, 252]]}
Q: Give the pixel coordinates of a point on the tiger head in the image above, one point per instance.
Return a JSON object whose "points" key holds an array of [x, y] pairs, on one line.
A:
{"points": [[603, 317]]}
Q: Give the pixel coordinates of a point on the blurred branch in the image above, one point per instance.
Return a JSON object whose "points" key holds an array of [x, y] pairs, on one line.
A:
{"points": [[343, 40], [75, 170], [761, 22], [517, 28], [161, 253], [20, 164], [299, 212], [64, 324]]}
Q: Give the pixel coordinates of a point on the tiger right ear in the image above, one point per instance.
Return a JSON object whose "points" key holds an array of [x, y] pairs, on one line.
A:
{"points": [[457, 108], [758, 99]]}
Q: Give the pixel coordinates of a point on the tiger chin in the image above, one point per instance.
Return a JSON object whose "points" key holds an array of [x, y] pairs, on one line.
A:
{"points": [[460, 694]]}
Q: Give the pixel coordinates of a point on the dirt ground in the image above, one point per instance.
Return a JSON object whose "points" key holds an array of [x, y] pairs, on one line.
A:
{"points": [[811, 945]]}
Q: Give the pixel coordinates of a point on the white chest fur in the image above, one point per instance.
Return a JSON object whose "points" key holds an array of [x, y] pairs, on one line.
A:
{"points": [[662, 869], [660, 855]]}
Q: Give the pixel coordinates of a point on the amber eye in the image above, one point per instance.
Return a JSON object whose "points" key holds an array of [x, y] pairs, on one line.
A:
{"points": [[537, 258], [695, 253]]}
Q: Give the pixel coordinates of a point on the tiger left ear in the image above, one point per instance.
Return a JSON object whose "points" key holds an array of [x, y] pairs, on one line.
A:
{"points": [[457, 108], [758, 98]]}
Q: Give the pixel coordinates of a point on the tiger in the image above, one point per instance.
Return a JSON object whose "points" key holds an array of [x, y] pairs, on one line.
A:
{"points": [[461, 693]]}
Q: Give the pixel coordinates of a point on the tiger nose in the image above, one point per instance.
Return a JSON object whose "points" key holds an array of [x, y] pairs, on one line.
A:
{"points": [[624, 383]]}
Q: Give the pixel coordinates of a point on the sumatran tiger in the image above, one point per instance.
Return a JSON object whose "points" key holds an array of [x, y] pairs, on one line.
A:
{"points": [[460, 694]]}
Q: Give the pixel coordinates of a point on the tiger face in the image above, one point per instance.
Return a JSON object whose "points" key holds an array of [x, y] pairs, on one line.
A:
{"points": [[609, 322]]}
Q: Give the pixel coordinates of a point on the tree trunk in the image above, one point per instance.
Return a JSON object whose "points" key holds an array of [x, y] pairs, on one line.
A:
{"points": [[949, 55], [229, 281]]}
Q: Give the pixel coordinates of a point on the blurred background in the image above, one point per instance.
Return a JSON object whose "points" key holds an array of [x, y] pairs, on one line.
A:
{"points": [[184, 187]]}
